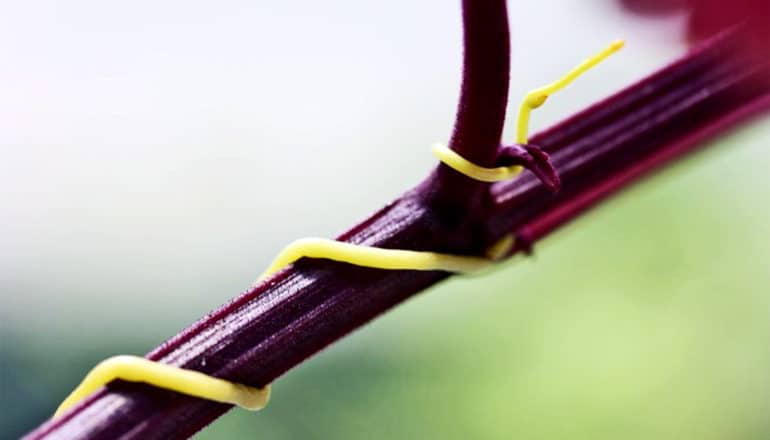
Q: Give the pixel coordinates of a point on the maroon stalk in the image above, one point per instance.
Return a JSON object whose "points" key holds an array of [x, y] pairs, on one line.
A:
{"points": [[481, 107], [274, 326], [677, 103]]}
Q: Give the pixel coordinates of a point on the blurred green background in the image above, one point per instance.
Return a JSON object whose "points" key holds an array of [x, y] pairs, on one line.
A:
{"points": [[155, 157]]}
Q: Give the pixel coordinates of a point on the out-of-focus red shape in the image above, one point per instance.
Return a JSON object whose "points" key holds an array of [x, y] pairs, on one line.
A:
{"points": [[708, 17], [711, 16]]}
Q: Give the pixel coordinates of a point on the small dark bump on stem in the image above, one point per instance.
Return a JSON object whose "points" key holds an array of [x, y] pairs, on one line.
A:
{"points": [[532, 158]]}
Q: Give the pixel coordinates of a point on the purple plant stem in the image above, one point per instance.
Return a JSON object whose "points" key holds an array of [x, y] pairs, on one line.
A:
{"points": [[274, 326], [484, 92], [626, 129], [570, 208], [481, 107]]}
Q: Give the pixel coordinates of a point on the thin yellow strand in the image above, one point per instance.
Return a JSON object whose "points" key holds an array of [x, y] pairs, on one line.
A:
{"points": [[190, 382], [194, 383], [500, 249], [537, 97], [460, 164], [378, 258]]}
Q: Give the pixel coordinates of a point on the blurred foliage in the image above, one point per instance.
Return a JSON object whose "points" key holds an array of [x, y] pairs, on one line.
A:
{"points": [[648, 318]]}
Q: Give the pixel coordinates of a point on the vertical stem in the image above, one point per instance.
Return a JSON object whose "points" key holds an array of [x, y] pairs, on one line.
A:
{"points": [[484, 94], [483, 100]]}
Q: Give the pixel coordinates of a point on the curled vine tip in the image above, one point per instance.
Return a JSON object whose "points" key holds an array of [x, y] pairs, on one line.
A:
{"points": [[532, 158], [537, 97]]}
